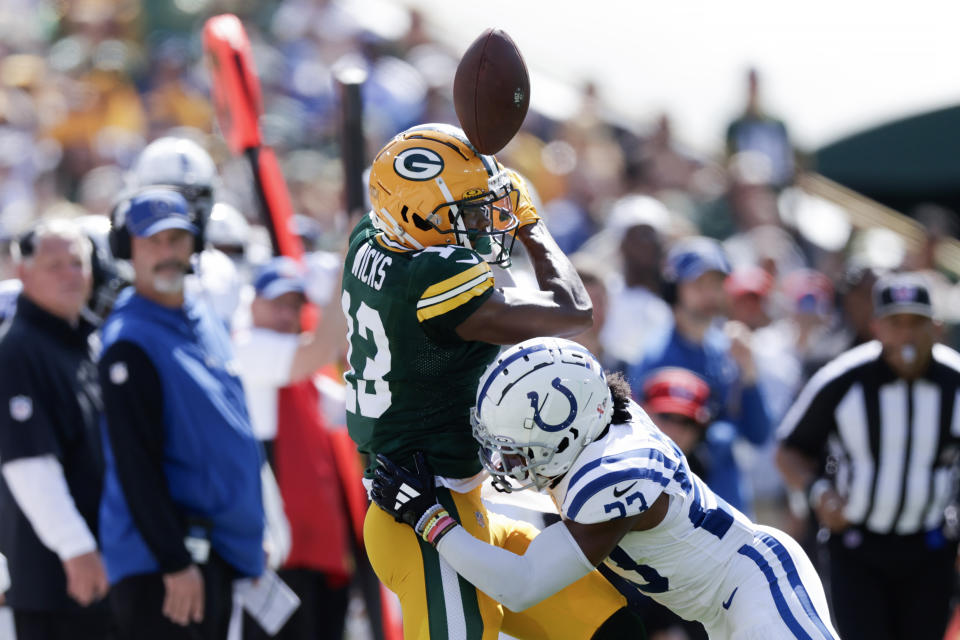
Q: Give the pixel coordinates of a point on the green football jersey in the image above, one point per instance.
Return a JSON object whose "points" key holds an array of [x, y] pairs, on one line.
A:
{"points": [[412, 380]]}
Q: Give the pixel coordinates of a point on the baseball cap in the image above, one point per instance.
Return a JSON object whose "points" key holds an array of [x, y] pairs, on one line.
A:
{"points": [[635, 210], [279, 276], [678, 391], [690, 258], [902, 293], [156, 210], [749, 280], [809, 292]]}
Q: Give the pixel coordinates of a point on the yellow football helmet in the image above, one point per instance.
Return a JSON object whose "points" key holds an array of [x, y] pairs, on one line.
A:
{"points": [[430, 187]]}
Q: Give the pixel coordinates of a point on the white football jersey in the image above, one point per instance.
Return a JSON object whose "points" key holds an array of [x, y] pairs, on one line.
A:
{"points": [[704, 552]]}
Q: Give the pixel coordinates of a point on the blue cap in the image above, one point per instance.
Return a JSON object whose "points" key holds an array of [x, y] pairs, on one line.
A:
{"points": [[690, 258], [157, 210], [279, 276]]}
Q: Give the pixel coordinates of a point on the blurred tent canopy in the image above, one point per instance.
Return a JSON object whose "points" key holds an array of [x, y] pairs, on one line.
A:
{"points": [[900, 164]]}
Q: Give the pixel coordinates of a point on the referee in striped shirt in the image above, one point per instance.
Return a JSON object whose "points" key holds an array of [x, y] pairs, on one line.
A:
{"points": [[873, 439]]}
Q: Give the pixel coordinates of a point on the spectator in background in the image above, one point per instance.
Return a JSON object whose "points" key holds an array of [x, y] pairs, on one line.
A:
{"points": [[872, 441], [757, 131], [593, 280], [52, 465], [784, 349], [749, 201], [851, 325], [636, 313], [676, 400], [748, 292], [694, 273], [277, 363], [182, 513], [170, 100], [856, 292]]}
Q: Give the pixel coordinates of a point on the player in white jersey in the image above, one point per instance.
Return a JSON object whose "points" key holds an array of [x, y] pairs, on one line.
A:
{"points": [[548, 418]]}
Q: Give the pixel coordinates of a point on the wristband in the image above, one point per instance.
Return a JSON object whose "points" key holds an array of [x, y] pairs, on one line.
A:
{"points": [[435, 523], [817, 488], [429, 515], [443, 526]]}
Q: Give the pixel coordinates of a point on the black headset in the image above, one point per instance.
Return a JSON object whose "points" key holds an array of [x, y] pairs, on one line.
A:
{"points": [[108, 280], [199, 203], [24, 246], [668, 285]]}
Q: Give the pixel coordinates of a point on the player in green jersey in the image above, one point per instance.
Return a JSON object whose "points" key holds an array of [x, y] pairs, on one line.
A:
{"points": [[425, 316]]}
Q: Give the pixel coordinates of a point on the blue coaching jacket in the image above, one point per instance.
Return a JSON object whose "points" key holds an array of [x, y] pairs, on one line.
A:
{"points": [[736, 410], [211, 459]]}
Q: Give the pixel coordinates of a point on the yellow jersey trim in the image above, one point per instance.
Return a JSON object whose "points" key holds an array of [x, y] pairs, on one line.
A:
{"points": [[455, 281], [450, 304]]}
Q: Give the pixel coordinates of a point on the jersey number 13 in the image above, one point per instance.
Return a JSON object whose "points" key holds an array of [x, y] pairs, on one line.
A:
{"points": [[366, 322]]}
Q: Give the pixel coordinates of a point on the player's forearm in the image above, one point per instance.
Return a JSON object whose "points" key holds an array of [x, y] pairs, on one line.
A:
{"points": [[555, 273], [552, 561]]}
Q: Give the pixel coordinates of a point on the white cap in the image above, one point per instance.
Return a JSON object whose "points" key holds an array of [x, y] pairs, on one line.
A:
{"points": [[635, 210]]}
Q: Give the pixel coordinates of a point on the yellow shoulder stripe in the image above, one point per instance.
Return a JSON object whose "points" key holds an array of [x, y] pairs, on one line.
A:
{"points": [[455, 281], [452, 303]]}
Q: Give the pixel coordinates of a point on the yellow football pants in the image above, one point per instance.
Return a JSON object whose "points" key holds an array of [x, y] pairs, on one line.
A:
{"points": [[437, 603]]}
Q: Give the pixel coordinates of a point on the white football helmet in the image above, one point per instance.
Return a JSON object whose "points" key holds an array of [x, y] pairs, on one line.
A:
{"points": [[227, 228], [538, 405], [180, 163]]}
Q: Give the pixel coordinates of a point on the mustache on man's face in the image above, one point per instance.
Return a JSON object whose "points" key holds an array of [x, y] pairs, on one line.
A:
{"points": [[172, 264]]}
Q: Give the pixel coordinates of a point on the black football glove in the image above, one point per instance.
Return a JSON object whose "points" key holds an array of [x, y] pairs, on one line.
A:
{"points": [[404, 495]]}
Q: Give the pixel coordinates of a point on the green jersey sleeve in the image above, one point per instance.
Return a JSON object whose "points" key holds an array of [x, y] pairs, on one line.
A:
{"points": [[449, 284], [363, 229]]}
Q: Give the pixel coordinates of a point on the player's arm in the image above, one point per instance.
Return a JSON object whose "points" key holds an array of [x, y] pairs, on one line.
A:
{"points": [[562, 554], [555, 559], [562, 306]]}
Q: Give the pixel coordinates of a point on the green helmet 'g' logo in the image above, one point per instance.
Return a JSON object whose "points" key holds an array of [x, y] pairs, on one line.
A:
{"points": [[418, 164]]}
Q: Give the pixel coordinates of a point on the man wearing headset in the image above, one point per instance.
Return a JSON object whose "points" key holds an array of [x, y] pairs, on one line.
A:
{"points": [[694, 272], [181, 513], [52, 466]]}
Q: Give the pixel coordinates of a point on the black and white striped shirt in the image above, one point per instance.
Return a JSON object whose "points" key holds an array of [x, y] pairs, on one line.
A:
{"points": [[896, 441]]}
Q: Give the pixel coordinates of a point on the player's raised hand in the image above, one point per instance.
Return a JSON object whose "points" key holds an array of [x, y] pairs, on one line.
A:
{"points": [[523, 206]]}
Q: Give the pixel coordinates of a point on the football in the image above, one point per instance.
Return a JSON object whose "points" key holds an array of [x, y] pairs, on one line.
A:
{"points": [[491, 91]]}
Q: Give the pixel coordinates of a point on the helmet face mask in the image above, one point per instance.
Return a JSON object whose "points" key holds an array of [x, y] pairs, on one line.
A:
{"points": [[430, 187], [512, 465], [538, 405]]}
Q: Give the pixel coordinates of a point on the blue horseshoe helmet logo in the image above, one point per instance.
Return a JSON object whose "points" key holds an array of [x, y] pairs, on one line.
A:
{"points": [[535, 405]]}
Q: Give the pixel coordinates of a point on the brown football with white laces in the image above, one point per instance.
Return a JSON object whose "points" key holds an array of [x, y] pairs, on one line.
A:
{"points": [[491, 91]]}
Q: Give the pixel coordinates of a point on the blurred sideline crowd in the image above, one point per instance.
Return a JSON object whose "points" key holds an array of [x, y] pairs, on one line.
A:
{"points": [[697, 262]]}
